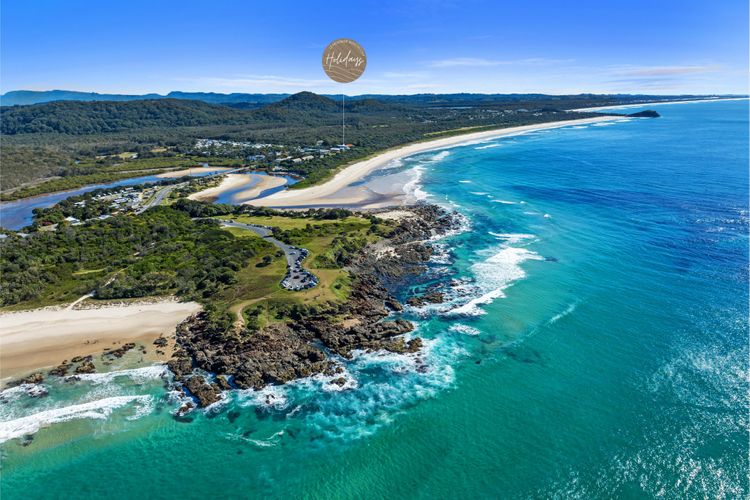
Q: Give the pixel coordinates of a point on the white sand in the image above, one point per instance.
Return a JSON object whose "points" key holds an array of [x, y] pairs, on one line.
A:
{"points": [[187, 171], [231, 181], [326, 193], [41, 338], [264, 182]]}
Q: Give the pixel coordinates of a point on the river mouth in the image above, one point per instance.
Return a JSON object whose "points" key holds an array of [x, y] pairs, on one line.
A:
{"points": [[17, 214]]}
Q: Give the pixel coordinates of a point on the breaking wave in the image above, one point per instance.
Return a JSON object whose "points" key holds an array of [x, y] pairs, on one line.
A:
{"points": [[99, 409]]}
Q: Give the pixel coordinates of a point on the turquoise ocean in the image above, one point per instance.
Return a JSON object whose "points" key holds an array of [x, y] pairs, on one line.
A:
{"points": [[594, 345]]}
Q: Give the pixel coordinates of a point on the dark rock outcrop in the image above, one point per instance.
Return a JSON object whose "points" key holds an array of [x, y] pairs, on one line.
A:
{"points": [[206, 394], [85, 367], [280, 353], [34, 378], [428, 298]]}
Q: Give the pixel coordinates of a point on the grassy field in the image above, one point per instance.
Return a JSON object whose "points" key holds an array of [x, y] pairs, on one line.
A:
{"points": [[287, 223], [258, 299]]}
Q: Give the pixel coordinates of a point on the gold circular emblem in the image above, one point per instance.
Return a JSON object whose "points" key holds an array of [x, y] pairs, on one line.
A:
{"points": [[344, 60]]}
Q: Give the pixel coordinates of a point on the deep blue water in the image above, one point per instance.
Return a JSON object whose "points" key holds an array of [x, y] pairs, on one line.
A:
{"points": [[594, 345]]}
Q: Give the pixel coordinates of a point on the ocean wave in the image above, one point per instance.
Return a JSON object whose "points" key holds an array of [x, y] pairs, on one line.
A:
{"points": [[464, 329], [138, 375], [488, 146], [463, 225], [99, 409], [493, 276], [464, 182], [512, 238], [413, 188], [504, 202], [441, 254], [442, 155], [557, 317], [14, 393], [271, 396], [388, 384]]}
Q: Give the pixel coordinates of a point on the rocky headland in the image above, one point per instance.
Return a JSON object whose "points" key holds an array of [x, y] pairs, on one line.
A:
{"points": [[283, 352]]}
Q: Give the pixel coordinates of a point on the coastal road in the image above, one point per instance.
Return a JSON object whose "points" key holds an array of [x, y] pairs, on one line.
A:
{"points": [[297, 278], [164, 192], [158, 198]]}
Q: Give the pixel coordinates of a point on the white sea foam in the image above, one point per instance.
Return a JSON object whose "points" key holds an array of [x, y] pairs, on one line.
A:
{"points": [[440, 156], [493, 276], [465, 329], [488, 146], [512, 238], [272, 396], [99, 409], [138, 375], [14, 393], [479, 193], [504, 202], [441, 254], [464, 182], [557, 317], [388, 383], [413, 188]]}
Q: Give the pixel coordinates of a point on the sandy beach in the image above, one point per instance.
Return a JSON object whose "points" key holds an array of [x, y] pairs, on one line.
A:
{"points": [[258, 183], [42, 338], [264, 182], [329, 193], [231, 181], [187, 171]]}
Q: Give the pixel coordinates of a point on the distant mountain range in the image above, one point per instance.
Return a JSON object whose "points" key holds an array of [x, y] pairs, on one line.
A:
{"points": [[23, 97], [241, 100]]}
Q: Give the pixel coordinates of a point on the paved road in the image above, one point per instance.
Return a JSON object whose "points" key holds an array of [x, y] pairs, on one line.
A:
{"points": [[158, 197], [297, 278]]}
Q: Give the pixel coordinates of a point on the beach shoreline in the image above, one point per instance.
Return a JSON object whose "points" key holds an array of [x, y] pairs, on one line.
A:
{"points": [[326, 194], [264, 183], [42, 338], [640, 105], [230, 181]]}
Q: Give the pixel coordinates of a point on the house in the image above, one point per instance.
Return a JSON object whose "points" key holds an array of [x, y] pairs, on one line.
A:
{"points": [[308, 157]]}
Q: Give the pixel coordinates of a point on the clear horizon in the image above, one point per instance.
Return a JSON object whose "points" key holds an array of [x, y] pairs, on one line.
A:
{"points": [[421, 47]]}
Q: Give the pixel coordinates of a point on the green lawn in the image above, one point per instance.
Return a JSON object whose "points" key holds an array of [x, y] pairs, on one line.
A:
{"points": [[258, 296]]}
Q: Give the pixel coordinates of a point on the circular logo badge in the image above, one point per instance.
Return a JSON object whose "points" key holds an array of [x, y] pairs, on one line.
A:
{"points": [[344, 60]]}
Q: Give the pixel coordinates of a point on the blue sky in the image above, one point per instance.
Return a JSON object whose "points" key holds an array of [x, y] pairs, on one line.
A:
{"points": [[656, 47]]}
